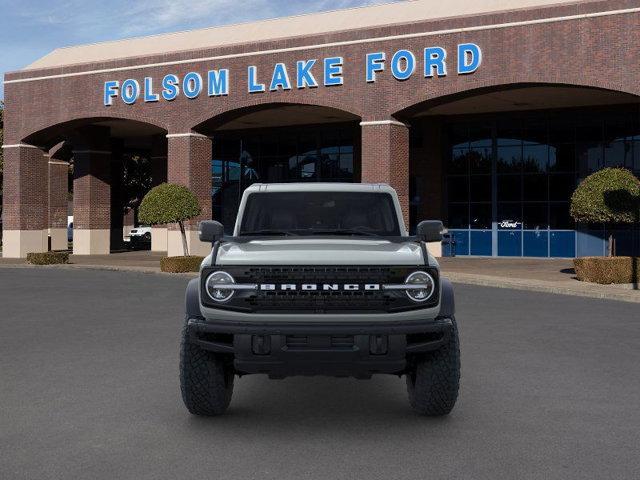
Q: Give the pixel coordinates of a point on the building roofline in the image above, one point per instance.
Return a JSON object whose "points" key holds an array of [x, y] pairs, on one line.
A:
{"points": [[282, 28]]}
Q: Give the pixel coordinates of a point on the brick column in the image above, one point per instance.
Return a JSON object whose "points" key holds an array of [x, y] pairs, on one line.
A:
{"points": [[92, 192], [58, 191], [189, 164], [385, 157], [25, 210], [158, 175], [116, 239]]}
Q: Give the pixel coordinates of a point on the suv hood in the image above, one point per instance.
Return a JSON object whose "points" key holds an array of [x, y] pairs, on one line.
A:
{"points": [[316, 251]]}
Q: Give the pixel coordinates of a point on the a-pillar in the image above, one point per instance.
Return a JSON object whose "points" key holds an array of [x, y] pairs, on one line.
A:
{"points": [[25, 211], [58, 192], [92, 192], [189, 164], [158, 176]]}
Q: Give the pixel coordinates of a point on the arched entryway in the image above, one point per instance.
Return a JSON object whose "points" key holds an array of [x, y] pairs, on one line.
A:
{"points": [[499, 165], [89, 171], [277, 143]]}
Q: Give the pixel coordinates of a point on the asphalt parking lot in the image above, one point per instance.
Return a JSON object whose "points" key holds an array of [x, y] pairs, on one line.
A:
{"points": [[89, 389]]}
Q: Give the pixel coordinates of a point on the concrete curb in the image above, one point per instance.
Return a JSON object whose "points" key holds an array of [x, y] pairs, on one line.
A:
{"points": [[574, 287], [112, 268]]}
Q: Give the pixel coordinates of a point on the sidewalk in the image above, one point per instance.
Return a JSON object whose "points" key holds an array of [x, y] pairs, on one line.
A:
{"points": [[539, 275]]}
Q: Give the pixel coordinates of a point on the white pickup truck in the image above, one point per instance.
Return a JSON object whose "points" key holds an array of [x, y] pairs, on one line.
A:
{"points": [[320, 279]]}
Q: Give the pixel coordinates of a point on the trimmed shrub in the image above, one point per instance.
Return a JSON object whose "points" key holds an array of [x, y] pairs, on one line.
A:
{"points": [[611, 195], [181, 264], [48, 258], [169, 203], [607, 270]]}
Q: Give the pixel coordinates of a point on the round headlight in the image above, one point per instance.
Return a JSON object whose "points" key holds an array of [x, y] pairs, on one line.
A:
{"points": [[420, 286], [215, 285]]}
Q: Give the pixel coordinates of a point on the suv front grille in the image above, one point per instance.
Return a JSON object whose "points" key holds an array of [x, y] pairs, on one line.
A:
{"points": [[319, 301]]}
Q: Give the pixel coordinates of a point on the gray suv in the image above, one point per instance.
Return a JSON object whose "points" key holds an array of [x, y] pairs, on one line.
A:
{"points": [[320, 279]]}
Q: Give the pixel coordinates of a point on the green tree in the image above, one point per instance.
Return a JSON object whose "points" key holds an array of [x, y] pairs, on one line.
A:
{"points": [[170, 203], [136, 180], [611, 195]]}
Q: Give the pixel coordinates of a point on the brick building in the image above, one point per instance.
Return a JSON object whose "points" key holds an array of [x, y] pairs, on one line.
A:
{"points": [[485, 114]]}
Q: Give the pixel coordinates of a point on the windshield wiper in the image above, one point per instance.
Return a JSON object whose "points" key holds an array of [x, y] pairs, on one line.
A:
{"points": [[283, 233]]}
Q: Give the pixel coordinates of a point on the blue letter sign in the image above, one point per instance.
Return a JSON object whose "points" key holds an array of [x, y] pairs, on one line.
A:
{"points": [[403, 64]]}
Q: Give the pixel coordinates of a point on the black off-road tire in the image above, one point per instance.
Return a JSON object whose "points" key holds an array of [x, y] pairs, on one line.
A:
{"points": [[434, 381], [206, 382]]}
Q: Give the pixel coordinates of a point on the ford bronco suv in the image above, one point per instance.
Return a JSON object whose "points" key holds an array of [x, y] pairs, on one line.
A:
{"points": [[319, 279]]}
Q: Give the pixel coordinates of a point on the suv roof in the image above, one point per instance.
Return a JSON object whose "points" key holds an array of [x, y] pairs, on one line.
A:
{"points": [[319, 187]]}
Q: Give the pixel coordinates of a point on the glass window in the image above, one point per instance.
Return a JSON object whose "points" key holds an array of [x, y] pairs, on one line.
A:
{"points": [[481, 188], [589, 157], [480, 216], [562, 157], [589, 130], [459, 135], [559, 218], [561, 130], [534, 188], [535, 158], [636, 156], [618, 154], [459, 161], [346, 166], [510, 159], [535, 133], [458, 215], [509, 133], [458, 189], [310, 213], [480, 136], [535, 216], [509, 187], [509, 216], [307, 144], [480, 160], [561, 187], [619, 127]]}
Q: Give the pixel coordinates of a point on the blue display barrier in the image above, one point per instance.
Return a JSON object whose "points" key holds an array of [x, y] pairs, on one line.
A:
{"points": [[510, 243], [562, 244], [462, 241], [480, 242], [535, 243]]}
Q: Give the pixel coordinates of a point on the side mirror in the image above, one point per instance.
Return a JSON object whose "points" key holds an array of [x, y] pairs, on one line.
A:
{"points": [[210, 231], [430, 230]]}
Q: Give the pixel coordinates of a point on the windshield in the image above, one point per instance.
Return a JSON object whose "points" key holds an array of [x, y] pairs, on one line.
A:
{"points": [[319, 213]]}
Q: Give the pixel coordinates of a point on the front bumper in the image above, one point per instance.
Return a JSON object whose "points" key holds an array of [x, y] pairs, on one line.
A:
{"points": [[327, 348]]}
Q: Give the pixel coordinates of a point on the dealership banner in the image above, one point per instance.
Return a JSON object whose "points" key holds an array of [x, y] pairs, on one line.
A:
{"points": [[308, 73]]}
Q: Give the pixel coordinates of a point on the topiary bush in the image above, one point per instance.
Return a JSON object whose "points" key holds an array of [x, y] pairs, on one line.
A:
{"points": [[48, 258], [181, 264], [607, 270], [611, 195], [169, 203]]}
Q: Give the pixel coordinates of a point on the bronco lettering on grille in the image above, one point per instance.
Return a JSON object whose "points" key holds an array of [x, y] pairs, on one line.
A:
{"points": [[326, 287]]}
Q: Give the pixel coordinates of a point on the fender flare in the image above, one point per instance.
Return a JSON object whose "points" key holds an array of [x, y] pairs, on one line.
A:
{"points": [[447, 300], [192, 299]]}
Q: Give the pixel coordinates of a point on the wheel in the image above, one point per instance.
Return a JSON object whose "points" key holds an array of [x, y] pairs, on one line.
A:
{"points": [[206, 382], [147, 236], [433, 383]]}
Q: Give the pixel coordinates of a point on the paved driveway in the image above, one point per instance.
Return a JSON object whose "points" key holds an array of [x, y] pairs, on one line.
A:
{"points": [[89, 389]]}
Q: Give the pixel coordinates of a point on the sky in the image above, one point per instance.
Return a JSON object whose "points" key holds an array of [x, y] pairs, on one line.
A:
{"points": [[29, 29]]}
